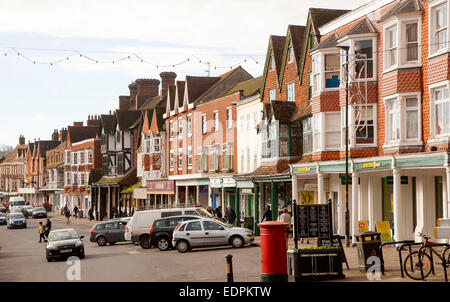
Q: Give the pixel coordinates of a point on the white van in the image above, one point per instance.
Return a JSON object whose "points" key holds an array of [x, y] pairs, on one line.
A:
{"points": [[142, 221], [16, 201]]}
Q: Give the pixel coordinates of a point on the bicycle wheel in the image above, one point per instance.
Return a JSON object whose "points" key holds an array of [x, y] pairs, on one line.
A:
{"points": [[411, 265]]}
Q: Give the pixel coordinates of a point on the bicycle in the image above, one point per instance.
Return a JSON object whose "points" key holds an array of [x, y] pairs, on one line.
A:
{"points": [[419, 264]]}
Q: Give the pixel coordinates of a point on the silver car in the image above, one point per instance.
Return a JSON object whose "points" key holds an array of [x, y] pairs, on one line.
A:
{"points": [[207, 232]]}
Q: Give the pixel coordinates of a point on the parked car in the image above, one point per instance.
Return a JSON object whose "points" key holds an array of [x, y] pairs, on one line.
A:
{"points": [[161, 232], [63, 243], [2, 209], [16, 209], [27, 211], [108, 232], [16, 220], [3, 219], [39, 212], [142, 221], [209, 232]]}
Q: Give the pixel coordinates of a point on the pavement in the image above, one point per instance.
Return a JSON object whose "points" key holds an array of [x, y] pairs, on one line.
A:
{"points": [[22, 258]]}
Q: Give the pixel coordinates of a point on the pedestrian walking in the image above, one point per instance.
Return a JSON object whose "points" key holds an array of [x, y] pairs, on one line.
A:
{"points": [[230, 215], [267, 216], [218, 212], [41, 232], [75, 212], [47, 227], [90, 213], [285, 216], [67, 214]]}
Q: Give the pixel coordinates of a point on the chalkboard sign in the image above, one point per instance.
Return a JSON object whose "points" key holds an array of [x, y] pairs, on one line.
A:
{"points": [[314, 221]]}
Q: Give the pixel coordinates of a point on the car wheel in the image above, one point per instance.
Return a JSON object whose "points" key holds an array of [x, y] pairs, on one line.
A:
{"points": [[182, 246], [163, 244], [237, 241], [101, 241], [145, 242]]}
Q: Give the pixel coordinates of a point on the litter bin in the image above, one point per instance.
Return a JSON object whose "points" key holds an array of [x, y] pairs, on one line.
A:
{"points": [[368, 245]]}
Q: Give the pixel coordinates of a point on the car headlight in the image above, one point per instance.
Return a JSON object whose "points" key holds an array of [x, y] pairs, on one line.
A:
{"points": [[78, 244]]}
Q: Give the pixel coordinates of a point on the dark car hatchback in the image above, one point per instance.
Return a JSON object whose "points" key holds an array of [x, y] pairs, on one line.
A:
{"points": [[162, 230], [108, 232]]}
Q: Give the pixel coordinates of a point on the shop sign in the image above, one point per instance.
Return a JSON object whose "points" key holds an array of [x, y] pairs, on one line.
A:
{"points": [[311, 169], [140, 193], [306, 198], [384, 228], [313, 221], [363, 226], [160, 186], [381, 164], [371, 165]]}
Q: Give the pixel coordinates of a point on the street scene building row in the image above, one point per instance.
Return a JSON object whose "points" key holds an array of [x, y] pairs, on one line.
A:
{"points": [[248, 142]]}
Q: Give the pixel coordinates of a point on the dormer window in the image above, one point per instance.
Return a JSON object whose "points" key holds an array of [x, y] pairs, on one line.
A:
{"points": [[272, 62], [291, 54]]}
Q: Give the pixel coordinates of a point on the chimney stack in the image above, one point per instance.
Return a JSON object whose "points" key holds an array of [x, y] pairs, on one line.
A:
{"points": [[124, 102], [62, 135], [147, 86], [55, 135], [21, 140], [167, 79], [78, 124]]}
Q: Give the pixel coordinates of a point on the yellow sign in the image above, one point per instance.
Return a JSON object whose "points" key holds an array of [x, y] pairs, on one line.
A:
{"points": [[384, 228], [371, 165], [306, 198], [363, 226], [305, 169]]}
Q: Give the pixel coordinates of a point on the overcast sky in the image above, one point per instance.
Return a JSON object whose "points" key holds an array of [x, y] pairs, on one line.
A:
{"points": [[37, 98]]}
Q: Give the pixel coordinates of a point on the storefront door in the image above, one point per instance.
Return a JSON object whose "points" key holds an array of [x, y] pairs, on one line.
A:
{"points": [[388, 201]]}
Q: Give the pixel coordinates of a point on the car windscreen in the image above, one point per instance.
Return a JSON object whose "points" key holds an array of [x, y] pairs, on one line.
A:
{"points": [[16, 216], [62, 235], [203, 212], [39, 209], [17, 203]]}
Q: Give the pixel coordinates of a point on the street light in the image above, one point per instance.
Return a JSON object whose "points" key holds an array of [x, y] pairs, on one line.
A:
{"points": [[347, 214]]}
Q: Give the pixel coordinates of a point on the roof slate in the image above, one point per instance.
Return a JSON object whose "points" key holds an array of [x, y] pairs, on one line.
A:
{"points": [[127, 118], [78, 134], [109, 123], [404, 6], [248, 88], [362, 27]]}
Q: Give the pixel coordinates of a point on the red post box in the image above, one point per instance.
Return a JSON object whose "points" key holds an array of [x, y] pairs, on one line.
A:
{"points": [[273, 251]]}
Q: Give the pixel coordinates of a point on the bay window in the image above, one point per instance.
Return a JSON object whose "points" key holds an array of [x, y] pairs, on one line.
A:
{"points": [[326, 70], [402, 119], [316, 67], [412, 42], [317, 130], [307, 135], [361, 121], [332, 70], [438, 28], [189, 156], [189, 124], [441, 102], [326, 131]]}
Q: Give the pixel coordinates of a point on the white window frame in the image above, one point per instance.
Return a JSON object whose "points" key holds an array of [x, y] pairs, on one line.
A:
{"points": [[388, 64], [216, 120], [229, 118], [351, 125], [434, 137], [308, 132], [272, 62], [155, 141], [180, 158], [189, 157], [432, 49], [290, 91], [400, 23], [315, 74], [189, 124], [180, 127], [272, 95], [403, 140], [291, 54], [204, 129], [171, 129], [171, 160]]}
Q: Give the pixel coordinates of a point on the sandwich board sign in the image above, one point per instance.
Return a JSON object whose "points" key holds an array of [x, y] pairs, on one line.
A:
{"points": [[384, 228]]}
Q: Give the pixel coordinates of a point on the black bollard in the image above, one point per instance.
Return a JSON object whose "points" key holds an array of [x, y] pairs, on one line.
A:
{"points": [[229, 258]]}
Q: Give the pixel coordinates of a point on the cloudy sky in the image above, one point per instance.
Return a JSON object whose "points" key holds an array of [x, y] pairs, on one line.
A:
{"points": [[37, 97]]}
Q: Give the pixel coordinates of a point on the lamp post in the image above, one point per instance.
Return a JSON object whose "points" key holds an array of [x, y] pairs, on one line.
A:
{"points": [[347, 213]]}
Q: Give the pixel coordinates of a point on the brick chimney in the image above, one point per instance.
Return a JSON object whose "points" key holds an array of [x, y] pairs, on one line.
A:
{"points": [[62, 134], [78, 124], [124, 102], [147, 86], [21, 140], [55, 135], [167, 79]]}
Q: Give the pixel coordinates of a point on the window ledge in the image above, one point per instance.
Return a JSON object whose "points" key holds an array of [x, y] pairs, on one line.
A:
{"points": [[402, 144], [439, 139], [439, 53]]}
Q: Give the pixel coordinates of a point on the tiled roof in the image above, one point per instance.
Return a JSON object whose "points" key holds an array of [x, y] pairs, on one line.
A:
{"points": [[108, 180], [12, 156], [159, 112], [321, 16], [196, 86], [404, 6], [278, 43], [78, 134], [297, 33], [44, 146], [329, 42], [362, 27], [171, 94], [109, 123], [180, 91], [249, 87], [127, 118]]}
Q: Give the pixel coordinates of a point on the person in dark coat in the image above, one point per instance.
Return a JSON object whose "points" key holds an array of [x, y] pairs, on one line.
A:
{"points": [[75, 211], [67, 213], [218, 212], [90, 213], [230, 215], [267, 214], [47, 227]]}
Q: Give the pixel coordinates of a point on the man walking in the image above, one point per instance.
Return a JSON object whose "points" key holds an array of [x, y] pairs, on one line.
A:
{"points": [[230, 215], [47, 227], [67, 214], [75, 211], [267, 214]]}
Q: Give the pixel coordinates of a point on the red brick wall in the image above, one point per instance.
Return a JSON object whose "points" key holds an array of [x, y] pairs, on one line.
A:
{"points": [[271, 83]]}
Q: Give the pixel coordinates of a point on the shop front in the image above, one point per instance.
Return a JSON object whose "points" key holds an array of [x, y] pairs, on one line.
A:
{"points": [[224, 194], [160, 193], [409, 191], [190, 190]]}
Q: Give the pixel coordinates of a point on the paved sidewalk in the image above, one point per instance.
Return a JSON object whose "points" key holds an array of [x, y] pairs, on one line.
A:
{"points": [[72, 219]]}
